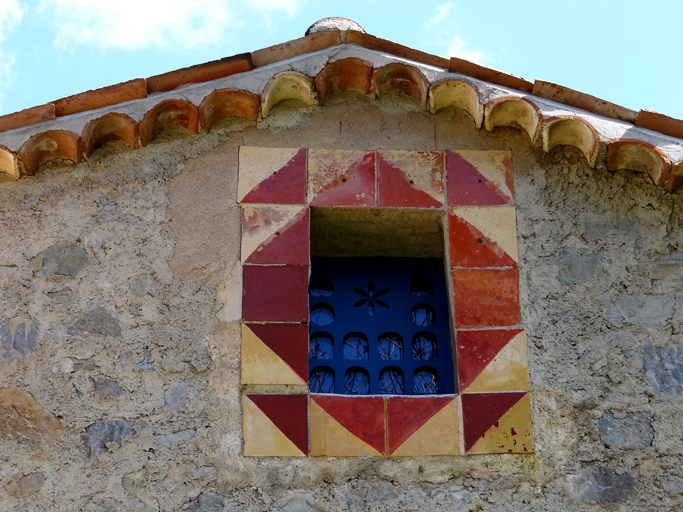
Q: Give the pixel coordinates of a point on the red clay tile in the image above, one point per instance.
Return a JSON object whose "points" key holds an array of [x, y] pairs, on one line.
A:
{"points": [[487, 74], [200, 73], [486, 298], [638, 155], [289, 341], [382, 45], [583, 101], [33, 115], [110, 127], [660, 123], [167, 116], [100, 98], [406, 415], [470, 247], [308, 44], [676, 176], [275, 294], [289, 413], [362, 416], [272, 175], [288, 245], [476, 349], [341, 178], [53, 144], [228, 103], [481, 411], [402, 78], [479, 178], [410, 179], [350, 74]]}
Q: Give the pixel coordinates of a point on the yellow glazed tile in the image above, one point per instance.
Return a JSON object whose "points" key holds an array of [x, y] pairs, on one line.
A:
{"points": [[260, 365], [262, 438]]}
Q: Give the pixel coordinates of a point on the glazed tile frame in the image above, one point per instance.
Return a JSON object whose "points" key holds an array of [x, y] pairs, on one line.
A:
{"points": [[491, 412]]}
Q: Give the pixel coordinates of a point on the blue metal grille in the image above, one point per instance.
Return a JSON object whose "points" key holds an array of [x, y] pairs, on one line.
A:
{"points": [[379, 326]]}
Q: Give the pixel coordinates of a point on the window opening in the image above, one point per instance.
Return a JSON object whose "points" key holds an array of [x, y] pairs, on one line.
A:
{"points": [[374, 306]]}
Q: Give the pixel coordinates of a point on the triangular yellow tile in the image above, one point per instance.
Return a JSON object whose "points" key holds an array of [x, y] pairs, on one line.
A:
{"points": [[498, 224], [257, 164], [491, 165], [508, 371], [260, 365], [513, 433], [262, 438], [260, 223], [440, 435], [330, 439]]}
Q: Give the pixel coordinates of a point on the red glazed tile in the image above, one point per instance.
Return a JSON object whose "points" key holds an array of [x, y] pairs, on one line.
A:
{"points": [[272, 175], [289, 413], [341, 178], [109, 127], [100, 98], [489, 74], [275, 294], [308, 44], [33, 115], [492, 361], [497, 423], [167, 116], [49, 145], [350, 74], [275, 235], [410, 179], [200, 73], [479, 178], [482, 237], [486, 298], [363, 417], [382, 45], [289, 341], [406, 416], [228, 103]]}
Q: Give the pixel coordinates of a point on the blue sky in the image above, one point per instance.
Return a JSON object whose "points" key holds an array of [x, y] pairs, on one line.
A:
{"points": [[625, 51]]}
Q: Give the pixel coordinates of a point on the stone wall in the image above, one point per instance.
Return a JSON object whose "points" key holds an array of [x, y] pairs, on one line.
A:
{"points": [[120, 336]]}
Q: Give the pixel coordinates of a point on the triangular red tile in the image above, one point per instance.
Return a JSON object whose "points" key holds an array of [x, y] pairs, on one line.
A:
{"points": [[289, 413], [396, 190], [362, 416], [406, 415], [476, 349], [481, 411], [288, 246], [354, 187], [470, 248], [467, 186], [289, 341], [285, 186]]}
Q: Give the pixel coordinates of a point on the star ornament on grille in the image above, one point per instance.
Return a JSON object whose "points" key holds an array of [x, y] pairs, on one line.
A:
{"points": [[370, 297]]}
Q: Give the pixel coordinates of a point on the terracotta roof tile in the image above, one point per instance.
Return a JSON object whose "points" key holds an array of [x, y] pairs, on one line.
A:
{"points": [[475, 70], [200, 73], [561, 94], [104, 97], [32, 115], [382, 45], [308, 44], [660, 123]]}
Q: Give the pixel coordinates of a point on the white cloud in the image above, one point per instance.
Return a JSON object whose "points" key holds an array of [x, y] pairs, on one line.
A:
{"points": [[461, 49], [11, 14], [129, 24], [440, 14]]}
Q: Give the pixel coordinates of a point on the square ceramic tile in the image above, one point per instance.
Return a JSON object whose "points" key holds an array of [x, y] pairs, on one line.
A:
{"points": [[410, 179], [275, 425], [347, 426], [419, 426], [486, 298], [492, 360], [275, 234], [272, 175], [497, 423], [275, 354], [275, 294], [482, 236], [479, 178], [341, 177]]}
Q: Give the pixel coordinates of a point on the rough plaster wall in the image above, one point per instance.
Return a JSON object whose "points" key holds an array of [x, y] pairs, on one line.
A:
{"points": [[119, 338]]}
